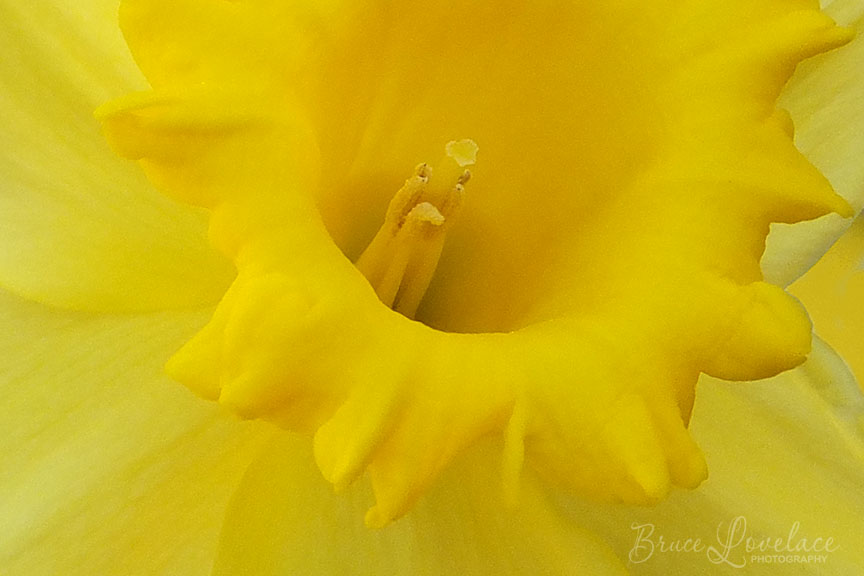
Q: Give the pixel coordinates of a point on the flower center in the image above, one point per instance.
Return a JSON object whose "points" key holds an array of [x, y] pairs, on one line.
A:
{"points": [[610, 257], [402, 257]]}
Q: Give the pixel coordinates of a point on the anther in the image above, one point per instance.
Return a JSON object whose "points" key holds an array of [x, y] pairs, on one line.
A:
{"points": [[401, 260]]}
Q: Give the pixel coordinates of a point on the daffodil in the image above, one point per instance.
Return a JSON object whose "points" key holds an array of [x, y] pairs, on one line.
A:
{"points": [[470, 261]]}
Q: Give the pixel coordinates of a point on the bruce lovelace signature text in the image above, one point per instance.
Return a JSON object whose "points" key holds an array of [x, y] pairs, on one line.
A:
{"points": [[734, 546]]}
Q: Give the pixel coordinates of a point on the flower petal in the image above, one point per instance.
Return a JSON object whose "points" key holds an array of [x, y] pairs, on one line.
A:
{"points": [[785, 450], [80, 229], [824, 99], [213, 148], [833, 292], [108, 467], [285, 520]]}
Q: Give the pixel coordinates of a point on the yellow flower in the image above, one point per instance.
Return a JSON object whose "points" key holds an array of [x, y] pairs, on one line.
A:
{"points": [[606, 251]]}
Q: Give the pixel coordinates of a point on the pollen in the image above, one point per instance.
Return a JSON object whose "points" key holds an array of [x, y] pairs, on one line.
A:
{"points": [[403, 256]]}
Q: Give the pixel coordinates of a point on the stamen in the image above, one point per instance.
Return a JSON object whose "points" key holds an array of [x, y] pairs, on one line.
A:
{"points": [[401, 260]]}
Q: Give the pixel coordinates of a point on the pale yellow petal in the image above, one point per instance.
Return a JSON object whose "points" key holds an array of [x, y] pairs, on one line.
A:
{"points": [[286, 520], [79, 228], [785, 450], [824, 98], [833, 292], [108, 467]]}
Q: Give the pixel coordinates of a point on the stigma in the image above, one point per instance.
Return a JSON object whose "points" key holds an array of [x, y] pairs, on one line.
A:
{"points": [[401, 259]]}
